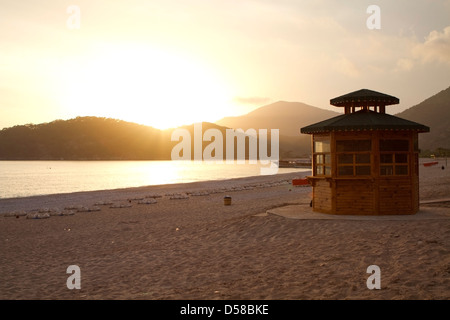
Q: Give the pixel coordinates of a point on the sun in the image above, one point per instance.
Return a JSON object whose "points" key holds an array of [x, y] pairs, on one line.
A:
{"points": [[145, 85]]}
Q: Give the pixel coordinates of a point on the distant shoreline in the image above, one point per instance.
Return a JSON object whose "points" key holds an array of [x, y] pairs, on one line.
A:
{"points": [[29, 178], [73, 198]]}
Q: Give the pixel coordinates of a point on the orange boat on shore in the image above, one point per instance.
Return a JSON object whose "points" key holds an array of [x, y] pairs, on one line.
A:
{"points": [[429, 164]]}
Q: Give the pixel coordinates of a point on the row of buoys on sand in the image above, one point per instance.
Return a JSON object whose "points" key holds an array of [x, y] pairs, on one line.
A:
{"points": [[46, 213], [40, 214], [208, 192]]}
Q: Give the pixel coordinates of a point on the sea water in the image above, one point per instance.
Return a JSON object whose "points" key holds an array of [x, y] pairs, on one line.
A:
{"points": [[29, 178]]}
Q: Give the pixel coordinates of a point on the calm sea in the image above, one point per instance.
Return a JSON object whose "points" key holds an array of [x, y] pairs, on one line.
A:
{"points": [[29, 178]]}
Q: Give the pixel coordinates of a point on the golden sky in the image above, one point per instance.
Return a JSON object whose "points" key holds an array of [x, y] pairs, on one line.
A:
{"points": [[166, 63]]}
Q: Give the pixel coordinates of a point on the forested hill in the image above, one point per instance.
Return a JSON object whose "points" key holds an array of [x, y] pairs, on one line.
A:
{"points": [[435, 113], [92, 138], [84, 138]]}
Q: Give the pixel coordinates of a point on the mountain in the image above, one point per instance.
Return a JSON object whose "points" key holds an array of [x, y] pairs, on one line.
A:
{"points": [[83, 138], [433, 112], [288, 117], [94, 138]]}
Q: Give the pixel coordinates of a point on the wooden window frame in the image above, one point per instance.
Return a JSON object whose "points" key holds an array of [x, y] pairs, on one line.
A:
{"points": [[395, 164], [353, 164], [322, 159]]}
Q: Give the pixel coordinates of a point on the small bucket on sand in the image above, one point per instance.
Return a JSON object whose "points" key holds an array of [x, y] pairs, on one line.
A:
{"points": [[227, 200]]}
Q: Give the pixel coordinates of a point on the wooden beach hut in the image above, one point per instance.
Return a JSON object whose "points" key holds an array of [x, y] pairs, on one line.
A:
{"points": [[365, 162]]}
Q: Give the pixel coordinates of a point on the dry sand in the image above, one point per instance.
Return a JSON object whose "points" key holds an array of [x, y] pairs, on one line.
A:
{"points": [[198, 248]]}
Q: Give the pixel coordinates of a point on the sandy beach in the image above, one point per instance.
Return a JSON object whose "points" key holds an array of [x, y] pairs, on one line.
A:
{"points": [[181, 242]]}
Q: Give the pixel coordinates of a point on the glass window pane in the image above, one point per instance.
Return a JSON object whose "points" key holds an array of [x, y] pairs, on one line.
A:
{"points": [[362, 170], [328, 171], [322, 146], [401, 158], [353, 145], [386, 158], [345, 170], [363, 158], [341, 145], [317, 146], [386, 170], [394, 145], [416, 164], [319, 170], [326, 146], [401, 170], [364, 145], [328, 158], [345, 158], [416, 143], [319, 158]]}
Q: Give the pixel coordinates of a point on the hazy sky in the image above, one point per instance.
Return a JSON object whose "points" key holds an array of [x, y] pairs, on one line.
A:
{"points": [[171, 62]]}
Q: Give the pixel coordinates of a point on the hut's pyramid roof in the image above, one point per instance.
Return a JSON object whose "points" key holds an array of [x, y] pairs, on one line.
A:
{"points": [[364, 120], [364, 97]]}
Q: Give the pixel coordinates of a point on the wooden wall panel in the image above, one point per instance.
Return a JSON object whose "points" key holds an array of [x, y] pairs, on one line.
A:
{"points": [[396, 196], [355, 197], [322, 196]]}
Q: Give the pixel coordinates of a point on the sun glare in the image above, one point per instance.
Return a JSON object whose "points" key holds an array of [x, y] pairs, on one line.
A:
{"points": [[144, 85]]}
